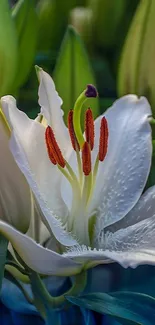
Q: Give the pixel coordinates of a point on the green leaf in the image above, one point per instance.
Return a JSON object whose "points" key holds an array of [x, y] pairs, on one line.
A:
{"points": [[107, 19], [8, 49], [3, 253], [53, 19], [73, 72], [126, 307], [26, 23]]}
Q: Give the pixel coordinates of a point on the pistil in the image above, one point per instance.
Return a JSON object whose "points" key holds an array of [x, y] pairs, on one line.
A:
{"points": [[88, 93]]}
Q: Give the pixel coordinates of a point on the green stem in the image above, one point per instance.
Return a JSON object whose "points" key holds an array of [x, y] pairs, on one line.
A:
{"points": [[44, 302], [73, 175], [87, 189], [64, 172], [16, 266]]}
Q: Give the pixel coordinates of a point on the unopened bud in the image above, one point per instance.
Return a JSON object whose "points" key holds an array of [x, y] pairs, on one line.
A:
{"points": [[137, 67], [81, 19]]}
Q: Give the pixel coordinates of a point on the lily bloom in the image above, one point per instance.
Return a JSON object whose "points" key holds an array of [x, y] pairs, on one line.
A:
{"points": [[88, 186]]}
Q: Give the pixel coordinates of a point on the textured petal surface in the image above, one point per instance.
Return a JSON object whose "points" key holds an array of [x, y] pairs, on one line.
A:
{"points": [[132, 246], [50, 103], [29, 150], [145, 208], [122, 176], [135, 237], [38, 258], [15, 198]]}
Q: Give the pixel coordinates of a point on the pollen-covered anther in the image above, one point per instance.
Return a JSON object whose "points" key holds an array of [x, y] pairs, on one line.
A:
{"points": [[51, 157], [53, 149], [103, 143], [89, 128], [86, 158], [73, 137]]}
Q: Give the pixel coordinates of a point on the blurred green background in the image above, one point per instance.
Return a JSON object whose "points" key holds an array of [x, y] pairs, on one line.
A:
{"points": [[106, 42]]}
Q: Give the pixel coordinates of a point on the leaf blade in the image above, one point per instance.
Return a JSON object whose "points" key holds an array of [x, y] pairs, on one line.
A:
{"points": [[73, 72], [122, 306]]}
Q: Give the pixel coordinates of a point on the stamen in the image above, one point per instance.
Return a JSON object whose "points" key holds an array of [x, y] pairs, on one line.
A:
{"points": [[103, 144], [86, 158], [51, 157], [73, 137], [54, 151], [89, 128]]}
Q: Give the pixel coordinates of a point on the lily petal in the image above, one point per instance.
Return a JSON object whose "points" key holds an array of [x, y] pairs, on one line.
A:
{"points": [[129, 247], [139, 235], [144, 208], [38, 258], [37, 229], [134, 245], [28, 148], [122, 176], [50, 103], [66, 189], [15, 197]]}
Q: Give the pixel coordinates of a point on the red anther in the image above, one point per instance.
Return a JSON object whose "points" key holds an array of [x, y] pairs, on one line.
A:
{"points": [[86, 158], [103, 144], [53, 149], [89, 128], [73, 138], [49, 150]]}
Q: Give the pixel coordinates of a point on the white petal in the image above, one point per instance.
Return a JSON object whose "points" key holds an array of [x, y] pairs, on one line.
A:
{"points": [[123, 174], [144, 208], [29, 150], [37, 229], [129, 247], [38, 258], [50, 104], [135, 237], [87, 256], [66, 189], [15, 197], [134, 245]]}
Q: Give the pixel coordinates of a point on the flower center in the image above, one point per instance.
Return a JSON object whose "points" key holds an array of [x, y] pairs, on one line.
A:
{"points": [[83, 145]]}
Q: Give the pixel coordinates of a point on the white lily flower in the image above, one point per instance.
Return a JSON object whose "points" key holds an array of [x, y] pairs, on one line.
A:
{"points": [[15, 197], [91, 199]]}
